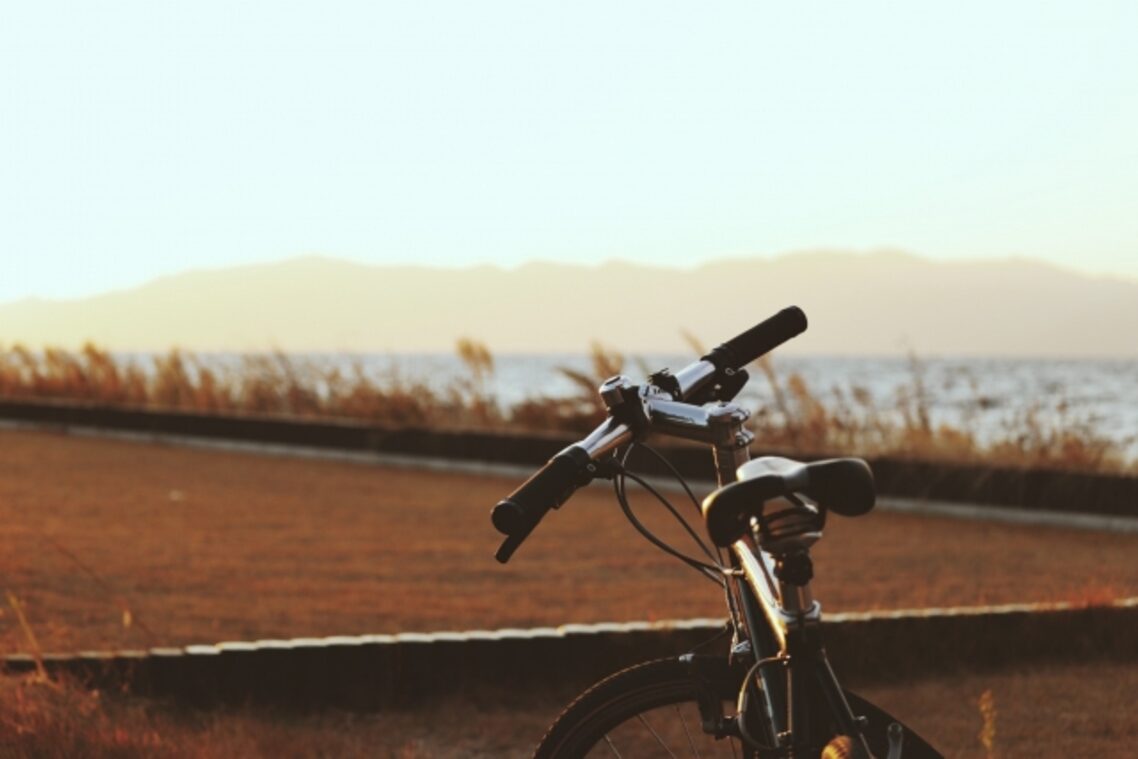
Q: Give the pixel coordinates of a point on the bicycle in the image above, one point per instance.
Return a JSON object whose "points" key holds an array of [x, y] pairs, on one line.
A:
{"points": [[774, 694]]}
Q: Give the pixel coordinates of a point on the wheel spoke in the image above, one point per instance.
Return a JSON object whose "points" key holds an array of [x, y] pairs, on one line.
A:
{"points": [[687, 733], [612, 747], [656, 736]]}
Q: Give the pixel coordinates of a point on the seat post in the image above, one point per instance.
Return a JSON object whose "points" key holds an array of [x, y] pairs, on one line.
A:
{"points": [[794, 572]]}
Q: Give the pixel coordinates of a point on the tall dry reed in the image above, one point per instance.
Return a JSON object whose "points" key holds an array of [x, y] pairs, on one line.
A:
{"points": [[797, 418]]}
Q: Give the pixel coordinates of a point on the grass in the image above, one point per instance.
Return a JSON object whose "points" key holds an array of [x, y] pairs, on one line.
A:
{"points": [[851, 422], [49, 719], [1055, 711], [799, 419], [202, 546]]}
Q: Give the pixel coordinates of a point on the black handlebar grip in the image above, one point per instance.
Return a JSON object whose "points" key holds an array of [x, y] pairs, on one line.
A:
{"points": [[518, 513], [759, 339]]}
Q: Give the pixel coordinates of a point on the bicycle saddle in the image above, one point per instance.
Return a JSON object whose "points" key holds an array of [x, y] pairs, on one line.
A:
{"points": [[844, 486]]}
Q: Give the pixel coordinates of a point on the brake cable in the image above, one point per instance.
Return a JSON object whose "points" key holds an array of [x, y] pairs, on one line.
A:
{"points": [[718, 558], [713, 572]]}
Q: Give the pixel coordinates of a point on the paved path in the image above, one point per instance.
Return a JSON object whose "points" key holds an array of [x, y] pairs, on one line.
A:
{"points": [[955, 510]]}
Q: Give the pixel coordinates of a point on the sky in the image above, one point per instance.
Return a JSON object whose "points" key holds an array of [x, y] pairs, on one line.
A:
{"points": [[139, 139]]}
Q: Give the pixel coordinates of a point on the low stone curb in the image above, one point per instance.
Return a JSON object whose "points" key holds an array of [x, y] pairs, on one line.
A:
{"points": [[370, 672]]}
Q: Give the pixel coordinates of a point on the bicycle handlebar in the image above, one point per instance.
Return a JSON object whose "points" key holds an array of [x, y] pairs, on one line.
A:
{"points": [[518, 514], [759, 339]]}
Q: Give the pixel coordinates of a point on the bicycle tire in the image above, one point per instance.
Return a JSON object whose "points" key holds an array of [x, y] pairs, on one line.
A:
{"points": [[625, 696]]}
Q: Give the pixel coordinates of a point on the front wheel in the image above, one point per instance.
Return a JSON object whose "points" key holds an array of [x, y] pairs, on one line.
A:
{"points": [[653, 710], [648, 710]]}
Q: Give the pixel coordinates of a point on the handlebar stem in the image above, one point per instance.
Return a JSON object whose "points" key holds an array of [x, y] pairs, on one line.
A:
{"points": [[721, 425]]}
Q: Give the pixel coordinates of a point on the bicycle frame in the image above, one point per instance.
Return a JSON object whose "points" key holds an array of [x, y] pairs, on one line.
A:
{"points": [[775, 621], [781, 619]]}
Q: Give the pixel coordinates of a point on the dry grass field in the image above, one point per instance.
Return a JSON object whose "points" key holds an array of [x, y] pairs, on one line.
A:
{"points": [[116, 544], [798, 418], [1078, 710], [112, 544]]}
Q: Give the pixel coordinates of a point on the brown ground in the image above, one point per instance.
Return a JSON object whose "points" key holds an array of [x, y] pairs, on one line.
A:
{"points": [[202, 546], [1061, 711], [205, 545]]}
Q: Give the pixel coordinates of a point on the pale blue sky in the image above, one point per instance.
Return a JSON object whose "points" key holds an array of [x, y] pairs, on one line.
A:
{"points": [[142, 138]]}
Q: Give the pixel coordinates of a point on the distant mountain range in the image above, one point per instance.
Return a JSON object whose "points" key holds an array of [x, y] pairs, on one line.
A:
{"points": [[876, 303]]}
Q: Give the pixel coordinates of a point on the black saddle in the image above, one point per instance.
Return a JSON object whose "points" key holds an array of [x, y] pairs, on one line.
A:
{"points": [[844, 486]]}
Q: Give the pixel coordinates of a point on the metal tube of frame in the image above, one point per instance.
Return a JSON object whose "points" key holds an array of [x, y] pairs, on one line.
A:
{"points": [[694, 376], [605, 439], [758, 570]]}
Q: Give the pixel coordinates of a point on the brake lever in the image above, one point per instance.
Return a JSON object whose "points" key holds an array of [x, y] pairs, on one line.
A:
{"points": [[509, 545]]}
